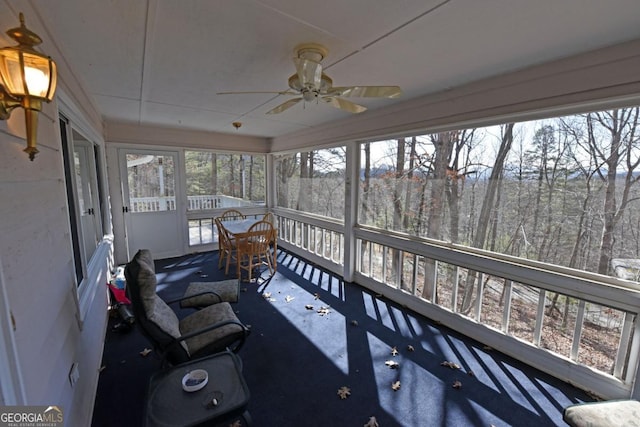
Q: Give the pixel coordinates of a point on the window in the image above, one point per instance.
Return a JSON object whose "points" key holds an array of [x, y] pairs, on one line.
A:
{"points": [[84, 197], [216, 180], [563, 190], [312, 181], [151, 182]]}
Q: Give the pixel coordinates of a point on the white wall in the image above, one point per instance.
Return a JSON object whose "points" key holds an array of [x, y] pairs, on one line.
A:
{"points": [[53, 327]]}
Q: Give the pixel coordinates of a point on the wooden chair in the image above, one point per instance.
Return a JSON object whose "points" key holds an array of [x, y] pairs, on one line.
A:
{"points": [[274, 240], [254, 248], [232, 215], [269, 218], [227, 247]]}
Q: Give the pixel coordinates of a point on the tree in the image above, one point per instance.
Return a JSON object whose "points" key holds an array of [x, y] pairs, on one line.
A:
{"points": [[612, 140], [487, 209]]}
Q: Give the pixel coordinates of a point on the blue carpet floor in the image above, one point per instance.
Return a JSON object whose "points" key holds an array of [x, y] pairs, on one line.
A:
{"points": [[313, 334]]}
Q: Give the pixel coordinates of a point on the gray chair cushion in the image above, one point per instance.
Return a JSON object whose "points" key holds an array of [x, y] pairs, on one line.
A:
{"points": [[613, 413], [208, 316], [225, 290], [156, 309]]}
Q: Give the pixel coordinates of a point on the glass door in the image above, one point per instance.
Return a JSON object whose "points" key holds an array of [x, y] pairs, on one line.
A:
{"points": [[150, 205]]}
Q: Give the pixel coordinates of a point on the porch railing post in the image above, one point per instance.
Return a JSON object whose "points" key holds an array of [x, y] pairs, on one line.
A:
{"points": [[351, 209]]}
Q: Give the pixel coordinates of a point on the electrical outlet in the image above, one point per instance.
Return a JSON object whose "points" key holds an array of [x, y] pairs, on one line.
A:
{"points": [[74, 374]]}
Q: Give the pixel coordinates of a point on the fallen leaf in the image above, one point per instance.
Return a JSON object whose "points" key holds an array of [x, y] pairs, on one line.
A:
{"points": [[450, 365], [316, 296], [354, 322], [471, 374], [410, 348], [145, 352], [102, 368], [396, 386], [457, 385], [487, 348], [394, 351], [288, 299], [324, 311], [267, 295], [344, 392], [372, 422], [308, 307], [392, 364], [236, 423]]}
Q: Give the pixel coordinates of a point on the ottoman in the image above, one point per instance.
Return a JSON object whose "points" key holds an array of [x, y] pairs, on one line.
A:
{"points": [[203, 294]]}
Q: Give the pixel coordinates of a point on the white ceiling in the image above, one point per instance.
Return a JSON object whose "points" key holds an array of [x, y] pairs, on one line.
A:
{"points": [[163, 61]]}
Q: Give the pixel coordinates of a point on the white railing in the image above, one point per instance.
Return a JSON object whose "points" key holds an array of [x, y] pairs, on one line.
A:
{"points": [[581, 327], [318, 240], [194, 203]]}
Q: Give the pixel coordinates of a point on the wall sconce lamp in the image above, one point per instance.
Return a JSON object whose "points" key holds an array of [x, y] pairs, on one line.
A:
{"points": [[27, 78]]}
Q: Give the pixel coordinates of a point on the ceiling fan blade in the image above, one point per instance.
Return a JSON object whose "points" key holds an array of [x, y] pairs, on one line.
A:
{"points": [[286, 92], [309, 72], [284, 106], [343, 104], [366, 91]]}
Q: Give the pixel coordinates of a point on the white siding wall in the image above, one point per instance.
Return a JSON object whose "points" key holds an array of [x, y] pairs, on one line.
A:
{"points": [[51, 331], [38, 268]]}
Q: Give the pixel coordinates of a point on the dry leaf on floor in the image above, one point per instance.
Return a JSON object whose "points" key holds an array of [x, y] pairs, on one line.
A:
{"points": [[396, 386], [288, 299], [102, 368], [450, 365], [308, 307], [487, 348], [145, 352], [344, 392], [354, 323], [372, 422], [392, 364], [457, 384], [410, 348], [267, 295], [323, 311], [316, 296], [394, 351], [236, 423], [471, 374]]}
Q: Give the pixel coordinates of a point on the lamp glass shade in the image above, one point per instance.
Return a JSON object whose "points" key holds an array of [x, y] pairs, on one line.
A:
{"points": [[27, 73]]}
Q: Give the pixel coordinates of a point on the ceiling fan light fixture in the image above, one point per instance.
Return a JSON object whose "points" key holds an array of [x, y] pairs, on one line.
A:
{"points": [[311, 51]]}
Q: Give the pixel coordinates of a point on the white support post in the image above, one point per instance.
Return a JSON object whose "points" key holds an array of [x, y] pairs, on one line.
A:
{"points": [[506, 314], [351, 208], [577, 333], [537, 334]]}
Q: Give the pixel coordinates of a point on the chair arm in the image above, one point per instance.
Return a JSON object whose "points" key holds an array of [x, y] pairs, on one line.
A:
{"points": [[176, 341], [212, 327]]}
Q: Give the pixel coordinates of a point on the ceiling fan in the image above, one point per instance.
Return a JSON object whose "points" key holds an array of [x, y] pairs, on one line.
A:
{"points": [[311, 84]]}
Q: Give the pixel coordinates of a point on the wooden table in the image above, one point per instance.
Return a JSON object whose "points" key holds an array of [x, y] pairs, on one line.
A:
{"points": [[235, 228], [238, 230]]}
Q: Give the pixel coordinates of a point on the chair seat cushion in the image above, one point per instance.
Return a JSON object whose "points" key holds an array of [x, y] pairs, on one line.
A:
{"points": [[613, 413], [217, 339], [208, 293]]}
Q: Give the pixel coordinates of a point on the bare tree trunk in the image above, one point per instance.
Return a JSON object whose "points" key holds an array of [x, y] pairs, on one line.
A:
{"points": [[366, 185], [409, 187], [488, 205], [304, 187], [396, 267], [443, 143]]}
